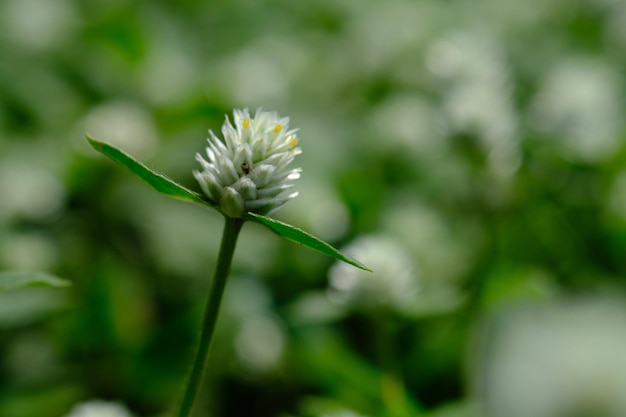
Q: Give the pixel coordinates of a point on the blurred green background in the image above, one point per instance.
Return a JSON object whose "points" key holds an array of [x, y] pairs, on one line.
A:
{"points": [[471, 153]]}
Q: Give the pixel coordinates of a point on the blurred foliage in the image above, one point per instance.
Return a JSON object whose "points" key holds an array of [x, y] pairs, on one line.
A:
{"points": [[484, 139]]}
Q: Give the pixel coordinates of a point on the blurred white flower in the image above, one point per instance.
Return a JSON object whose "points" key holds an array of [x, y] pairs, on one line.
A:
{"points": [[124, 124], [247, 171], [556, 361], [28, 190], [99, 408], [259, 72], [382, 31], [258, 334], [39, 24], [442, 248], [410, 123], [580, 102], [393, 284], [320, 210], [477, 89], [260, 342]]}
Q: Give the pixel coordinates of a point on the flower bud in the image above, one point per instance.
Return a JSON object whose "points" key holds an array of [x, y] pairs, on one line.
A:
{"points": [[248, 169]]}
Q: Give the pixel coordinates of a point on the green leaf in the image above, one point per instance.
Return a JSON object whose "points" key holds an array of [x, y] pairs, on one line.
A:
{"points": [[306, 239], [156, 180], [12, 280]]}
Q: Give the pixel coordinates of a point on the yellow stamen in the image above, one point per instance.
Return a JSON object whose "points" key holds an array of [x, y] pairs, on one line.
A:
{"points": [[293, 141], [277, 128], [246, 123]]}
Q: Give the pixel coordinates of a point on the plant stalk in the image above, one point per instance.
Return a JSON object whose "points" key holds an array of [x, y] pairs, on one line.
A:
{"points": [[232, 227]]}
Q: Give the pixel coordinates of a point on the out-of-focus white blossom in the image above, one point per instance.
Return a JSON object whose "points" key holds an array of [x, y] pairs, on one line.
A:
{"points": [[248, 170], [397, 283], [260, 342], [259, 336], [39, 24], [99, 408], [125, 124], [393, 285], [476, 86], [580, 103], [29, 191], [564, 360]]}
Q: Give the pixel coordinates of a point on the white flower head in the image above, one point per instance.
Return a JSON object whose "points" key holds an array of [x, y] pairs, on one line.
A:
{"points": [[248, 170]]}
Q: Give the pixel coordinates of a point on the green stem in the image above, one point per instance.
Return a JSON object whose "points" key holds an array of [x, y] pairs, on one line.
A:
{"points": [[232, 227]]}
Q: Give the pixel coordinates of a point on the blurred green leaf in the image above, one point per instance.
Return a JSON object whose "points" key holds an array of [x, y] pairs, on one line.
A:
{"points": [[12, 280], [305, 239], [156, 180]]}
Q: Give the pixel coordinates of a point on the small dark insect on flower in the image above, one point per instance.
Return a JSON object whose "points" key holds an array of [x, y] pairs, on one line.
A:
{"points": [[246, 168]]}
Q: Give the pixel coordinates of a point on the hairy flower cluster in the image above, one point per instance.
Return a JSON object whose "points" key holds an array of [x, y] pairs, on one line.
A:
{"points": [[247, 170]]}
